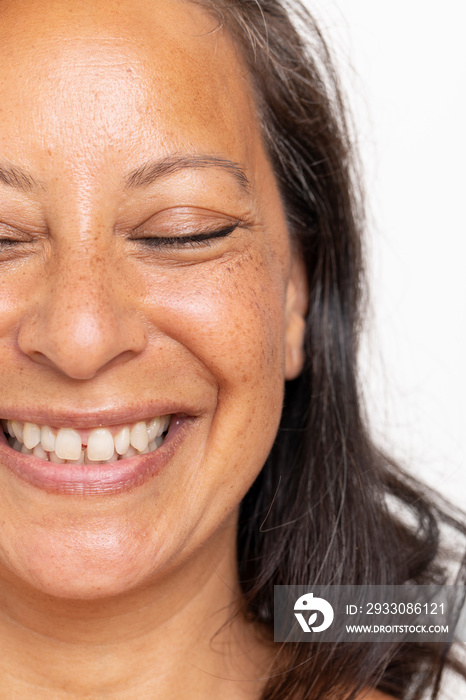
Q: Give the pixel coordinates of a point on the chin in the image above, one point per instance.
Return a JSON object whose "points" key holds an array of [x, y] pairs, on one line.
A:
{"points": [[84, 566]]}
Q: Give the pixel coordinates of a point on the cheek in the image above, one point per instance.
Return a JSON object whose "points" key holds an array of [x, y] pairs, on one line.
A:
{"points": [[229, 315], [16, 288]]}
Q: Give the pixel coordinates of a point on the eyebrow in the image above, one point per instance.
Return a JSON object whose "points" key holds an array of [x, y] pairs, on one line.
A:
{"points": [[151, 171], [17, 177]]}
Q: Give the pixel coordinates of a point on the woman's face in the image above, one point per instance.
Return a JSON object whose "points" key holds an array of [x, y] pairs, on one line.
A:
{"points": [[145, 270]]}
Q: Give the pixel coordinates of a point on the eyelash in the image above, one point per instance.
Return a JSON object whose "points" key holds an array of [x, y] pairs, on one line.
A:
{"points": [[193, 240], [9, 244]]}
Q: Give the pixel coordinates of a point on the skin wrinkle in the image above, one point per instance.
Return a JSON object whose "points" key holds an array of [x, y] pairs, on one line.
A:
{"points": [[91, 318]]}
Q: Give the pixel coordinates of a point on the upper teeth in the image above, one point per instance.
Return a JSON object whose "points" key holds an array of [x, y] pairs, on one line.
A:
{"points": [[100, 446]]}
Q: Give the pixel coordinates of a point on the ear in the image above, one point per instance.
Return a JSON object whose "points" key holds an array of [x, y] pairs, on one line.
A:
{"points": [[297, 295]]}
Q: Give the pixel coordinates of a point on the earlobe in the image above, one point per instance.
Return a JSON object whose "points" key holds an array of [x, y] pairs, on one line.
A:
{"points": [[294, 345], [296, 310]]}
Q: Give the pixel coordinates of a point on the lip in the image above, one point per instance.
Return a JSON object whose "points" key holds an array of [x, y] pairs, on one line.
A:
{"points": [[84, 419], [99, 479]]}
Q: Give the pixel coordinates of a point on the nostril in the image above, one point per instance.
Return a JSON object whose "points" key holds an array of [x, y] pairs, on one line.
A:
{"points": [[39, 358]]}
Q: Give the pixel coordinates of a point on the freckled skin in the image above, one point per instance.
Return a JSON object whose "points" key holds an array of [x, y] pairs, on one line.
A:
{"points": [[88, 317]]}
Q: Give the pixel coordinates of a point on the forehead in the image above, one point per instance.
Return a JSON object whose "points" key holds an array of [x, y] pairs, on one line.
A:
{"points": [[105, 77]]}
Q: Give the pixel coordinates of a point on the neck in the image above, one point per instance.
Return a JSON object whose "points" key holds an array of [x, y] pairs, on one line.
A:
{"points": [[181, 635]]}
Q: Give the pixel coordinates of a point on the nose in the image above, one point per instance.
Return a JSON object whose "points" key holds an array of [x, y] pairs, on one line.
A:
{"points": [[83, 320]]}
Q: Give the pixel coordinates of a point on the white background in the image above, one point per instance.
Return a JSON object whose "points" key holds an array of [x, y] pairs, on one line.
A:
{"points": [[404, 70]]}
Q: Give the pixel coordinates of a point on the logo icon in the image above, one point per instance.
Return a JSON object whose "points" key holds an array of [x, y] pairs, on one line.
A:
{"points": [[312, 605]]}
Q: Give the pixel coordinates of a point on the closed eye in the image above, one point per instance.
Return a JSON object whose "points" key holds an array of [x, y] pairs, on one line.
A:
{"points": [[8, 242], [195, 239]]}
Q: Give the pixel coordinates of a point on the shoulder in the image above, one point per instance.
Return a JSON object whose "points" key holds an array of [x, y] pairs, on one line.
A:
{"points": [[374, 695]]}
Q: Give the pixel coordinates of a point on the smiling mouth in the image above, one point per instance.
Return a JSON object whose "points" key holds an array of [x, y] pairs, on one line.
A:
{"points": [[96, 446]]}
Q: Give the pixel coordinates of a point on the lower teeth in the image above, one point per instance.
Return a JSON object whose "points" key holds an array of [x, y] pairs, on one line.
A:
{"points": [[52, 457]]}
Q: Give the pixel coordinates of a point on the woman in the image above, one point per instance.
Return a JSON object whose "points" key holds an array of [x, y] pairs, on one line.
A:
{"points": [[179, 239]]}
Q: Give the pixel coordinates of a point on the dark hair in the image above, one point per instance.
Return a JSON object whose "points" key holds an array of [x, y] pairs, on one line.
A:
{"points": [[322, 509]]}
